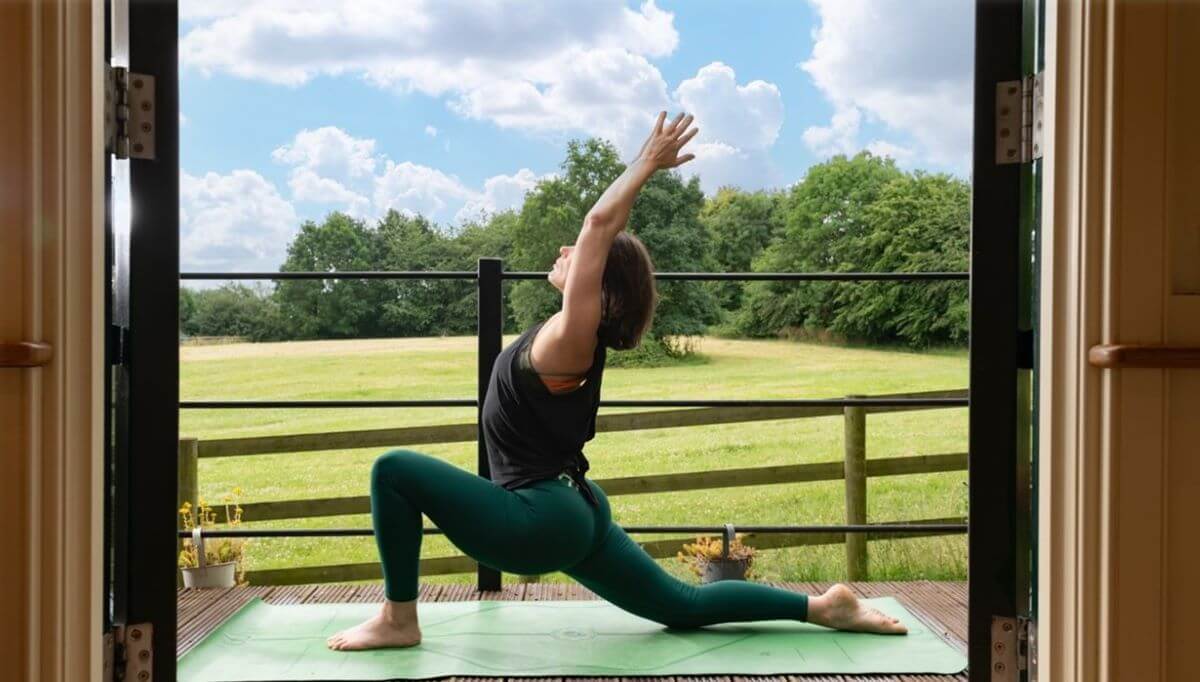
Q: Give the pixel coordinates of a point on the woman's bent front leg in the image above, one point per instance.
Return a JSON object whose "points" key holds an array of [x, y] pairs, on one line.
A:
{"points": [[535, 529]]}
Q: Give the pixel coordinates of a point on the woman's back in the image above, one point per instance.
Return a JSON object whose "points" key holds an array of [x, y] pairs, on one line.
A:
{"points": [[530, 431]]}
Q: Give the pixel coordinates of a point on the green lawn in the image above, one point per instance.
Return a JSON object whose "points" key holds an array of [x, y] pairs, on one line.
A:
{"points": [[445, 368]]}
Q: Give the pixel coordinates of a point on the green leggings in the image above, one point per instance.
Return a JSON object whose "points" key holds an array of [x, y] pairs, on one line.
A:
{"points": [[543, 527]]}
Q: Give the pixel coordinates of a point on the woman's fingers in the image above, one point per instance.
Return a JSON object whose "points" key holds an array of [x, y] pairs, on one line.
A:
{"points": [[682, 125], [682, 160], [670, 130], [658, 125], [690, 134]]}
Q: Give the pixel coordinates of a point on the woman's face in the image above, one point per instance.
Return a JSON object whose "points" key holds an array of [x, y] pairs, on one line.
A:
{"points": [[558, 274]]}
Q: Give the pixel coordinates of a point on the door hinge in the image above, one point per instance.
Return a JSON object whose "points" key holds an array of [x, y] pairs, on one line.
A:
{"points": [[128, 113], [129, 653], [1013, 650], [1019, 127]]}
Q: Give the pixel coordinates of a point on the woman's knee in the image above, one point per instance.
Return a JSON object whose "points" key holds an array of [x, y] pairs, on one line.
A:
{"points": [[394, 465]]}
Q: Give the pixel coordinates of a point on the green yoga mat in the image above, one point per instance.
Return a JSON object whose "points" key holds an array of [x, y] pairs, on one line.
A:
{"points": [[274, 642]]}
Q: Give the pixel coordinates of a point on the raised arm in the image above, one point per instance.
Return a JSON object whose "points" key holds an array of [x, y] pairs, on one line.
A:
{"points": [[580, 318]]}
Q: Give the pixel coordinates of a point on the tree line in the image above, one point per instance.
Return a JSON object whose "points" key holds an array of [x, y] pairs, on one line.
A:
{"points": [[856, 214]]}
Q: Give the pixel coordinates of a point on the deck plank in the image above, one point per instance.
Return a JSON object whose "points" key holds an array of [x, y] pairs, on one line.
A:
{"points": [[941, 605]]}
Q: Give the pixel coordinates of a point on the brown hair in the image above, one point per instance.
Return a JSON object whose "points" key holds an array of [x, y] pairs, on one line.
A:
{"points": [[628, 296]]}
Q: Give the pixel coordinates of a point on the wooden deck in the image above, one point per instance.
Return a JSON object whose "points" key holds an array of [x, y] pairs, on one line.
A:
{"points": [[942, 605]]}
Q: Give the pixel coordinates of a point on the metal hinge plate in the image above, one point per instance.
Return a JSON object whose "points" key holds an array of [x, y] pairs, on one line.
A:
{"points": [[1019, 129], [129, 653], [128, 113], [1013, 649]]}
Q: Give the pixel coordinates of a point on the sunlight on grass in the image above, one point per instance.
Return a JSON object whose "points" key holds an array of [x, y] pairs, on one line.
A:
{"points": [[736, 369]]}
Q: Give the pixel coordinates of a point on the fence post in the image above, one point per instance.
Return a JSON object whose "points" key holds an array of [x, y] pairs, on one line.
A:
{"points": [[856, 489], [489, 329], [189, 487]]}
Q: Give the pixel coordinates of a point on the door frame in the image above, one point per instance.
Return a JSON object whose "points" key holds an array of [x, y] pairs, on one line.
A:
{"points": [[996, 347], [148, 583], [150, 588]]}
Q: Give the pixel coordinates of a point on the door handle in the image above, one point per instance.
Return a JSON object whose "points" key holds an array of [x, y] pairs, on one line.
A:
{"points": [[25, 354], [1116, 356]]}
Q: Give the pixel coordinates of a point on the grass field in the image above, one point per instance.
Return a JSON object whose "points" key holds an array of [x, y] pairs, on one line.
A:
{"points": [[432, 368]]}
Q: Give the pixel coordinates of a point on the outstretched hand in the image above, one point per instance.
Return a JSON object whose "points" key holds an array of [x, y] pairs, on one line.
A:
{"points": [[661, 149]]}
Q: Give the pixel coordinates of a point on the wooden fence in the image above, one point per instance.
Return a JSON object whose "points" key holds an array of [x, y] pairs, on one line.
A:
{"points": [[854, 468]]}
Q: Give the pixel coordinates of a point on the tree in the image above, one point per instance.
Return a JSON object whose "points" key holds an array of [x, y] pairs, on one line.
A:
{"points": [[864, 214], [740, 225], [493, 239], [419, 307], [235, 309], [333, 308], [665, 217], [551, 217], [187, 309]]}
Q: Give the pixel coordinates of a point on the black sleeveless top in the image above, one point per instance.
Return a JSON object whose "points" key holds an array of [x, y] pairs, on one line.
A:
{"points": [[530, 433]]}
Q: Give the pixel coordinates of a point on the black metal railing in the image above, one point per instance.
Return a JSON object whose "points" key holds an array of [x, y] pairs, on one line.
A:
{"points": [[490, 278], [851, 528]]}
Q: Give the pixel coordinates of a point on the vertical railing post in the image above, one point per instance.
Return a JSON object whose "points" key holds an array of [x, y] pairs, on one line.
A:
{"points": [[189, 486], [855, 418], [490, 323]]}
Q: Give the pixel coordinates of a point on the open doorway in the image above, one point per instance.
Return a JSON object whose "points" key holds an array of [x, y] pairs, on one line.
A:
{"points": [[147, 397]]}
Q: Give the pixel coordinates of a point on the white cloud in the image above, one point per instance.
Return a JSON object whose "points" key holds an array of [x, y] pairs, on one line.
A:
{"points": [[239, 222], [738, 125], [329, 151], [547, 69], [306, 185], [894, 151], [719, 164], [609, 92], [745, 116], [540, 66], [839, 137], [500, 193], [292, 41], [331, 166], [411, 188], [905, 64], [325, 163], [233, 222]]}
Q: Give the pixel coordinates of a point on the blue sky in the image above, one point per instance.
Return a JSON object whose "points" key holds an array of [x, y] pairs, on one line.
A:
{"points": [[455, 108]]}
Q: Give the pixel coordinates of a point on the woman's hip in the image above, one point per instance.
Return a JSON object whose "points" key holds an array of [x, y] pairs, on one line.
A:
{"points": [[556, 508]]}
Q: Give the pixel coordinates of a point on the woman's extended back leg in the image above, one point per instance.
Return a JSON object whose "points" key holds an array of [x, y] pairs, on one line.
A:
{"points": [[620, 571]]}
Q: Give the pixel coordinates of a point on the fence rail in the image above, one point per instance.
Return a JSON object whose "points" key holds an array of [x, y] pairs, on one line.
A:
{"points": [[659, 549], [854, 469], [511, 274], [625, 421], [640, 485]]}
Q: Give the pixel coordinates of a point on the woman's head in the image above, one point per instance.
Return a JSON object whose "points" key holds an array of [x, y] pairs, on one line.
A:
{"points": [[628, 296]]}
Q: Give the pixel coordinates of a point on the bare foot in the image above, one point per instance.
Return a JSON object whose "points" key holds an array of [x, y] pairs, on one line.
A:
{"points": [[838, 608], [395, 626]]}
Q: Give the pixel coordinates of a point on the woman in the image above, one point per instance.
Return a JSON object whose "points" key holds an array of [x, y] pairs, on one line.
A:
{"points": [[539, 513]]}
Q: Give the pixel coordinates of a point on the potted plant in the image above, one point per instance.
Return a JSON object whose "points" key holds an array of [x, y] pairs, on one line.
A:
{"points": [[212, 562], [724, 558]]}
